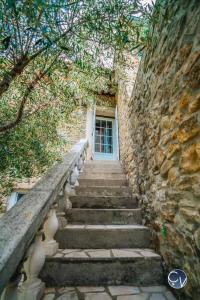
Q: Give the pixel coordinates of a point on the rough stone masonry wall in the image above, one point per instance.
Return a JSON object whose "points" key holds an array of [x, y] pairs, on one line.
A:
{"points": [[160, 139]]}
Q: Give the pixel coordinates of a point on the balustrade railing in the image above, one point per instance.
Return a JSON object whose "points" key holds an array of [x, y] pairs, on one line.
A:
{"points": [[27, 230]]}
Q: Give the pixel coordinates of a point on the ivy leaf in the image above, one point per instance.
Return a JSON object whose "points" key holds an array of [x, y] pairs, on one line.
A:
{"points": [[164, 231]]}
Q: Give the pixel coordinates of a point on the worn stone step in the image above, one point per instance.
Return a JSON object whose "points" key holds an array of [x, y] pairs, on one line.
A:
{"points": [[100, 175], [103, 202], [106, 163], [140, 267], [89, 170], [102, 182], [104, 216], [103, 236], [123, 191], [103, 168]]}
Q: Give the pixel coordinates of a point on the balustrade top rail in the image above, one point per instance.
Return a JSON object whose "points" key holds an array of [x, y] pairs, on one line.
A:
{"points": [[19, 225]]}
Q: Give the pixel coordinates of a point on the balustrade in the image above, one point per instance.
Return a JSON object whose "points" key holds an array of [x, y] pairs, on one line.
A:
{"points": [[21, 233]]}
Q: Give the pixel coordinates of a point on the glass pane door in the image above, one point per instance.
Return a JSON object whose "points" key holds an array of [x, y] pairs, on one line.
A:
{"points": [[104, 136]]}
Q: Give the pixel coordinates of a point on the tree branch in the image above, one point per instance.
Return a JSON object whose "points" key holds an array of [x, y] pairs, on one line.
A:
{"points": [[28, 91], [22, 63]]}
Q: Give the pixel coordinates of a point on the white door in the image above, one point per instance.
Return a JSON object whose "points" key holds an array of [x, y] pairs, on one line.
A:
{"points": [[104, 139]]}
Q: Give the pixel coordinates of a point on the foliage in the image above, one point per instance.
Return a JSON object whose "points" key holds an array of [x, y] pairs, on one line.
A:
{"points": [[55, 55]]}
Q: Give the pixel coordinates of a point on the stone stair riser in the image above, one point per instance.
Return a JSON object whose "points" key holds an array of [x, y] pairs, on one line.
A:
{"points": [[102, 202], [102, 272], [103, 191], [103, 238], [100, 176], [103, 182], [90, 171], [104, 216]]}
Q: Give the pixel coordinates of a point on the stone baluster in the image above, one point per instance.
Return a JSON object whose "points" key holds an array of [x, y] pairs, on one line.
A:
{"points": [[80, 163], [50, 228], [33, 288], [73, 179], [67, 192], [84, 155]]}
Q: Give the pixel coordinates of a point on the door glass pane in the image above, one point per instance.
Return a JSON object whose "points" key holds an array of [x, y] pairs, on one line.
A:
{"points": [[97, 148], [103, 124], [97, 123], [103, 136], [97, 139], [98, 131]]}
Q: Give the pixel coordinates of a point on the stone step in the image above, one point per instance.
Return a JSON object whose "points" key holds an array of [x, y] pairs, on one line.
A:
{"points": [[89, 267], [100, 175], [104, 216], [103, 182], [106, 163], [123, 191], [105, 166], [103, 202], [103, 236], [116, 170]]}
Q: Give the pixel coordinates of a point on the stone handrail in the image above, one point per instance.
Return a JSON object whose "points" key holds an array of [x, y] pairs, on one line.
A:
{"points": [[19, 226]]}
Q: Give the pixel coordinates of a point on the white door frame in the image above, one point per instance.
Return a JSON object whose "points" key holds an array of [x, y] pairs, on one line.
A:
{"points": [[106, 156], [117, 132]]}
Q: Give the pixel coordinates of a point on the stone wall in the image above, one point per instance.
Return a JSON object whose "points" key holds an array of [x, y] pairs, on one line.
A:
{"points": [[160, 138]]}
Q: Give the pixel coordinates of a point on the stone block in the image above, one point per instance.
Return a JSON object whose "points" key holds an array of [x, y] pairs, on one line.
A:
{"points": [[190, 214], [167, 164], [154, 289], [183, 103], [183, 135], [123, 290], [197, 238], [142, 296], [194, 105], [157, 297], [169, 296], [172, 149], [90, 289], [66, 289], [97, 296], [173, 175], [68, 296], [190, 158]]}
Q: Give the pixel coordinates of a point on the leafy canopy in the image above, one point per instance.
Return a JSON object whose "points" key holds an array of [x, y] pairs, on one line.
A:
{"points": [[53, 55]]}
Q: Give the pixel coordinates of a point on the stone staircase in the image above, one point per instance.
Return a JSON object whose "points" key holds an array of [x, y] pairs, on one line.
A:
{"points": [[104, 242]]}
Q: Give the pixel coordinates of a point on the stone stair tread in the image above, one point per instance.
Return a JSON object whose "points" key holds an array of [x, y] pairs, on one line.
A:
{"points": [[102, 182], [107, 209], [105, 227], [102, 162], [100, 196], [106, 190], [90, 172], [114, 292], [104, 176], [105, 254]]}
